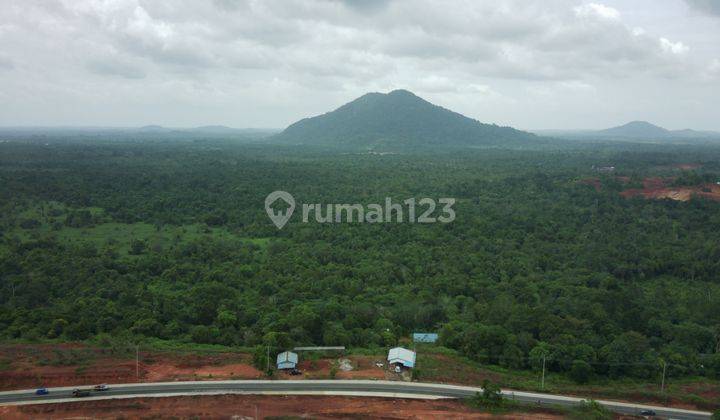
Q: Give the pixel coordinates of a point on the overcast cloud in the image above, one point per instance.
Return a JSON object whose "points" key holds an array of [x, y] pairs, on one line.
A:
{"points": [[550, 64]]}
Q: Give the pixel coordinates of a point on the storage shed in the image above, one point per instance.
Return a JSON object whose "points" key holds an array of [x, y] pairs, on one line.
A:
{"points": [[287, 360], [401, 356]]}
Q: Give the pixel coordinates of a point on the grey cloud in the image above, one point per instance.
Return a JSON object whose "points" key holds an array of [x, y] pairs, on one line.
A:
{"points": [[365, 5], [227, 52], [708, 6], [509, 38], [6, 63], [115, 68]]}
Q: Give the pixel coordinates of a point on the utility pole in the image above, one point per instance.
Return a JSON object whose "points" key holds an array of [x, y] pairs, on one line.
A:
{"points": [[542, 384], [137, 362], [662, 384], [267, 360]]}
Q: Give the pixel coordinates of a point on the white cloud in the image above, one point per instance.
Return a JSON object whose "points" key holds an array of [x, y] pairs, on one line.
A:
{"points": [[673, 47], [596, 10]]}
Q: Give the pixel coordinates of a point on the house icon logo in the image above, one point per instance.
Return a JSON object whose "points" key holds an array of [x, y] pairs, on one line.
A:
{"points": [[279, 206]]}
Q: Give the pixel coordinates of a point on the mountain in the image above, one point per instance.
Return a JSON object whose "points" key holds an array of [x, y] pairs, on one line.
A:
{"points": [[635, 129], [154, 129], [219, 129], [398, 119]]}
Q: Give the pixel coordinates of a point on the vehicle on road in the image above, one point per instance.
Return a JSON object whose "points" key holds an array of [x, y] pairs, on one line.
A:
{"points": [[101, 387], [42, 391], [80, 393], [648, 413]]}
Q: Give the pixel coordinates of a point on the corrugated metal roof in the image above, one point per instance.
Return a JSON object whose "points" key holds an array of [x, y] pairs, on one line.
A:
{"points": [[287, 356], [401, 355]]}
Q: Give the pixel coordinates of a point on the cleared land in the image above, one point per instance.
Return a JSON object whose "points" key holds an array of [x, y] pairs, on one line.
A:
{"points": [[34, 365]]}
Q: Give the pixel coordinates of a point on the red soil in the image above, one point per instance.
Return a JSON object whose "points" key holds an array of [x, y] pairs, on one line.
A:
{"points": [[250, 406], [594, 182], [72, 364], [656, 188]]}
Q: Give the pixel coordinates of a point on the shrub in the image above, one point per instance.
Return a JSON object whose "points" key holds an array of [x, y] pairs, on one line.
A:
{"points": [[591, 410], [580, 371], [490, 397]]}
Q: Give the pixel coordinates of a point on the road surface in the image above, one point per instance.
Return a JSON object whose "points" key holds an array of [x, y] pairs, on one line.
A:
{"points": [[322, 387]]}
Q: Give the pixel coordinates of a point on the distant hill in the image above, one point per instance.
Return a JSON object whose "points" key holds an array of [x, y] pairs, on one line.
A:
{"points": [[154, 129], [636, 129], [214, 129], [398, 119]]}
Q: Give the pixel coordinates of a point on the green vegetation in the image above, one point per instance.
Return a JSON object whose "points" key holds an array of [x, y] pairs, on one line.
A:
{"points": [[170, 241], [590, 410], [490, 397], [447, 366]]}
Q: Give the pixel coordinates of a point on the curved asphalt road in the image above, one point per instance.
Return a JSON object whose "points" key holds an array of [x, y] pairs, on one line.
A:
{"points": [[322, 387]]}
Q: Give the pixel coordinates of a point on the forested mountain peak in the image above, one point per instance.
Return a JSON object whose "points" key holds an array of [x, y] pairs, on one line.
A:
{"points": [[397, 119]]}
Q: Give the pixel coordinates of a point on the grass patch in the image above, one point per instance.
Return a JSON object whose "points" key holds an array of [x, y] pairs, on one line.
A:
{"points": [[108, 236], [439, 364]]}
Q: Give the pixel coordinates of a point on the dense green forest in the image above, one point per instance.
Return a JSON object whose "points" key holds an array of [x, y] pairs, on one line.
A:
{"points": [[169, 239]]}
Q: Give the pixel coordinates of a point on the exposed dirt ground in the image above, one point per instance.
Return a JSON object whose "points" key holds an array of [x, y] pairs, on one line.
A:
{"points": [[363, 368], [24, 366], [28, 366], [657, 188], [250, 406]]}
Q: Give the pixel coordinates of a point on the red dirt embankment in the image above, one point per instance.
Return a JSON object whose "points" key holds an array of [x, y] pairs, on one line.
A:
{"points": [[37, 365], [657, 189], [259, 406]]}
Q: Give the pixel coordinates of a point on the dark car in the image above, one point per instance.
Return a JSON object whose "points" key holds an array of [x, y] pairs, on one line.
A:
{"points": [[80, 393], [295, 372], [42, 391], [648, 413]]}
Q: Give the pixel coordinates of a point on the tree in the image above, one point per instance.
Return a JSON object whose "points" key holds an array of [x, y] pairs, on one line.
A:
{"points": [[137, 247], [490, 397], [580, 372]]}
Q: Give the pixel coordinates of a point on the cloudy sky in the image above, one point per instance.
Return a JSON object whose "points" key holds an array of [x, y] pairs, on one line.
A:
{"points": [[267, 63]]}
